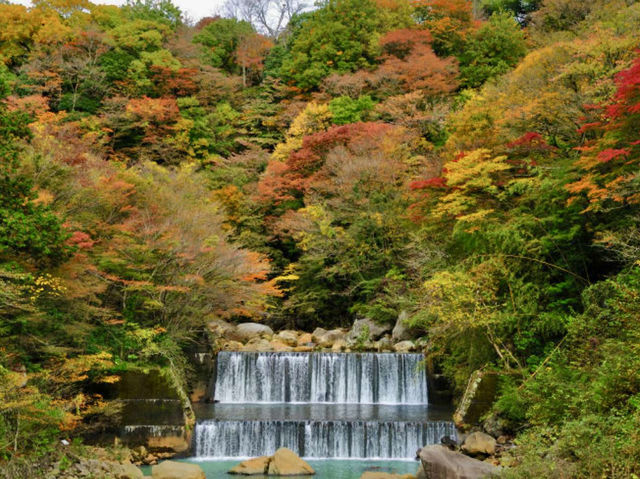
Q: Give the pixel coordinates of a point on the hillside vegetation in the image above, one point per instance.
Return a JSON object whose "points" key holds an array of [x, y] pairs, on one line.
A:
{"points": [[475, 164]]}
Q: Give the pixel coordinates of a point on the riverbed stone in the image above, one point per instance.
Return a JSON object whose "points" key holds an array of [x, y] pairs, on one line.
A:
{"points": [[232, 346], [328, 338], [288, 337], [361, 326], [285, 462], [223, 329], [339, 346], [318, 334], [404, 347], [383, 344], [441, 463], [177, 470], [248, 331], [479, 443], [305, 339], [303, 349], [258, 345], [279, 346], [252, 467]]}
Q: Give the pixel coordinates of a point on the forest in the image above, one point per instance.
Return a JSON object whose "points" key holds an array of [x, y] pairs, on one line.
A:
{"points": [[473, 163]]}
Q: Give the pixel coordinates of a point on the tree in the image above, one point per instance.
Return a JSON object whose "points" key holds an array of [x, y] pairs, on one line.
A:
{"points": [[608, 166], [250, 54], [491, 50], [521, 9], [27, 227], [448, 21], [220, 40], [268, 16], [411, 64], [347, 31]]}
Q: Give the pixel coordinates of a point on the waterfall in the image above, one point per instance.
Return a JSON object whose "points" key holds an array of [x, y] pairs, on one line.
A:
{"points": [[318, 439], [366, 378], [320, 405]]}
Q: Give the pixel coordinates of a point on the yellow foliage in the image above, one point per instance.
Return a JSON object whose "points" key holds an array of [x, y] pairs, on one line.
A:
{"points": [[314, 118], [473, 182]]}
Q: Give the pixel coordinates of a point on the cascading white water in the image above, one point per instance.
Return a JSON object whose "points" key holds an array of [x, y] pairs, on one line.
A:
{"points": [[366, 378], [318, 439], [389, 389]]}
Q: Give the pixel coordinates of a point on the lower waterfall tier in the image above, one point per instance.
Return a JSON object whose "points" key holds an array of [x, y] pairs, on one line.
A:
{"points": [[317, 439]]}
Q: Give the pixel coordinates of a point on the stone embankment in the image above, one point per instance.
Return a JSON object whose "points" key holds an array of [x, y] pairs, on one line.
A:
{"points": [[364, 335]]}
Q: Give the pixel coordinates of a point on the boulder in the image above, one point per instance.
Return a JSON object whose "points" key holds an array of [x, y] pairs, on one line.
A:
{"points": [[305, 339], [402, 332], [366, 325], [223, 329], [232, 346], [385, 475], [326, 339], [479, 443], [339, 346], [441, 463], [177, 470], [318, 334], [258, 345], [384, 344], [249, 331], [496, 426], [285, 462], [279, 346], [252, 467], [303, 349], [129, 471], [404, 347], [288, 337]]}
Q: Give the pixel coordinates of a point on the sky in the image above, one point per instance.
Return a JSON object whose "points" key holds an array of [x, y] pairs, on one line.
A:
{"points": [[195, 9]]}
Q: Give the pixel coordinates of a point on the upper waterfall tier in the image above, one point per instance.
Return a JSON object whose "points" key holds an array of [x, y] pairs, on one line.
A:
{"points": [[354, 378]]}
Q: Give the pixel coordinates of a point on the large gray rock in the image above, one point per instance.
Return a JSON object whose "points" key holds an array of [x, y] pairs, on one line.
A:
{"points": [[367, 329], [285, 462], [479, 443], [401, 331], [441, 463], [177, 470], [249, 331]]}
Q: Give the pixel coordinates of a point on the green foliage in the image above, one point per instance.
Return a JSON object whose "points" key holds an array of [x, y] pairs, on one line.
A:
{"points": [[162, 11], [341, 36], [220, 39], [492, 50], [345, 109], [26, 227], [519, 8]]}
